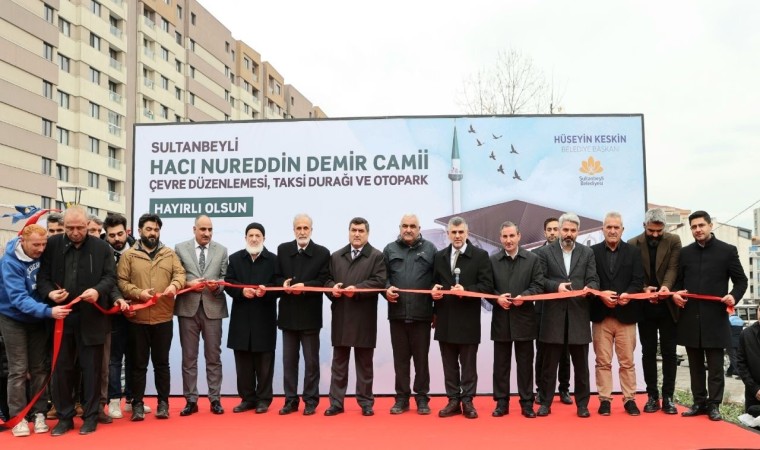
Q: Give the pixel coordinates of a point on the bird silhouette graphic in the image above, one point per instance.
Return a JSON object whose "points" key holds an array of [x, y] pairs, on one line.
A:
{"points": [[492, 156], [500, 169], [496, 137], [471, 130], [516, 176], [479, 143], [513, 150]]}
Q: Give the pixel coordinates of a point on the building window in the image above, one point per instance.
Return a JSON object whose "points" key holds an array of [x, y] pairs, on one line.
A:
{"points": [[233, 54], [64, 63], [164, 112], [226, 47], [112, 186], [63, 172], [63, 100], [46, 202], [247, 63], [192, 45], [48, 13], [164, 83], [178, 37], [192, 18], [177, 93], [94, 145], [64, 26], [95, 41], [63, 136], [178, 65], [47, 51], [47, 89], [192, 72], [192, 98], [164, 24], [95, 8], [179, 12], [94, 110], [93, 211], [93, 180], [94, 75], [177, 118], [164, 54], [47, 166], [47, 128]]}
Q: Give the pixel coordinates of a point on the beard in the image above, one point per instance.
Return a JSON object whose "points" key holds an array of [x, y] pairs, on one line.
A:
{"points": [[149, 242], [653, 242], [254, 249], [303, 242]]}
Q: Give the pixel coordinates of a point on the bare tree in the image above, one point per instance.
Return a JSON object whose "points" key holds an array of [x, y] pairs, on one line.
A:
{"points": [[513, 85]]}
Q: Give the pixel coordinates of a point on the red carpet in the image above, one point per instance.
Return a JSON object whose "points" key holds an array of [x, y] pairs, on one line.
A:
{"points": [[561, 430]]}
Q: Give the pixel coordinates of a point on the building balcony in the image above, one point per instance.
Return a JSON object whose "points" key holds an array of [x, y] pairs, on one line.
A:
{"points": [[114, 129], [148, 113], [116, 32], [149, 23], [116, 98], [113, 196], [149, 53], [114, 163], [149, 83], [115, 64]]}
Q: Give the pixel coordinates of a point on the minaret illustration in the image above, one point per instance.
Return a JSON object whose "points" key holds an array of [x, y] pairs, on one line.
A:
{"points": [[455, 175]]}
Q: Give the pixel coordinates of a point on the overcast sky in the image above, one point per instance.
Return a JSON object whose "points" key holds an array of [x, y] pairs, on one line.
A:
{"points": [[691, 67]]}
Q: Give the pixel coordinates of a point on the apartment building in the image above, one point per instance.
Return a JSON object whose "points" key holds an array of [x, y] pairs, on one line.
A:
{"points": [[76, 75]]}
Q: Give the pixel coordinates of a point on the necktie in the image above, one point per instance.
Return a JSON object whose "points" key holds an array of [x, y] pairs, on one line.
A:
{"points": [[202, 259], [354, 253], [454, 260], [300, 251]]}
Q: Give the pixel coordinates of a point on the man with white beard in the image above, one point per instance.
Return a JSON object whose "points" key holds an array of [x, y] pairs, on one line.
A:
{"points": [[253, 320]]}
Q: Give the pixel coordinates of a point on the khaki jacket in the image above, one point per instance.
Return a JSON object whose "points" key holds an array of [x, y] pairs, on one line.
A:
{"points": [[137, 272]]}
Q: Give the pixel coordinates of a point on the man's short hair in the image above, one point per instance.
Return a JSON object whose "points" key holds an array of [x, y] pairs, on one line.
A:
{"points": [[302, 216], [700, 214], [507, 224], [570, 217], [33, 229], [550, 220], [457, 221], [55, 218], [613, 215], [148, 217], [655, 215], [114, 220], [359, 221], [96, 219]]}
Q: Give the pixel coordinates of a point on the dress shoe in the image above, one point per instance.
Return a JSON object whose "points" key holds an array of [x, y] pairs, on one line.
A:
{"points": [[543, 411], [468, 409], [423, 406], [288, 408], [190, 408], [653, 405], [564, 397], [502, 409], [162, 411], [309, 409], [261, 408], [103, 417], [333, 411], [527, 411], [604, 408], [62, 427], [668, 407], [583, 412], [631, 408], [695, 410], [453, 408], [216, 407], [52, 413], [713, 413], [243, 407], [138, 412], [367, 411], [400, 407], [90, 425]]}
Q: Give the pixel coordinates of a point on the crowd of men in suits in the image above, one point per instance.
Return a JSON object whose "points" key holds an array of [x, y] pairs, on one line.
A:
{"points": [[40, 274]]}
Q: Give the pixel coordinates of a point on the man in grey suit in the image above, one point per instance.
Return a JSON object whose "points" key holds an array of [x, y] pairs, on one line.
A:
{"points": [[568, 265], [201, 312]]}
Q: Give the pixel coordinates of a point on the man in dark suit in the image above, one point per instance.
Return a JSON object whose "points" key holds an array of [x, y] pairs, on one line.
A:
{"points": [[516, 272], [301, 263], [705, 267], [613, 316], [409, 261], [252, 333], [75, 264], [459, 267], [659, 255], [551, 233], [748, 364], [567, 265], [201, 312], [358, 265]]}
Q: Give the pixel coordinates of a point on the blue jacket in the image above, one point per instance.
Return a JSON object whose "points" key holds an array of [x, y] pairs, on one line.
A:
{"points": [[19, 299]]}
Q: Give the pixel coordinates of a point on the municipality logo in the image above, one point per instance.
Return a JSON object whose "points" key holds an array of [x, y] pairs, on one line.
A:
{"points": [[591, 168]]}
